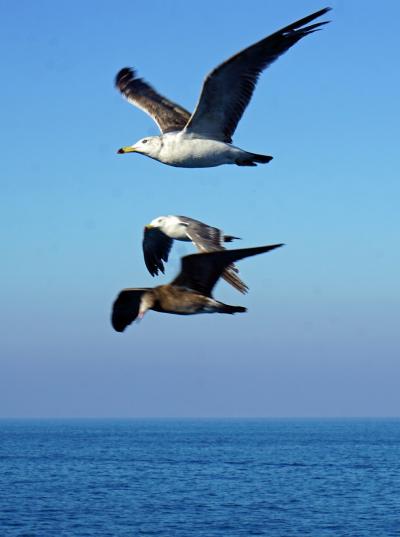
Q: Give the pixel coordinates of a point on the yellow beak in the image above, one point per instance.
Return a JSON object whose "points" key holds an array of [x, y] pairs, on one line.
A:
{"points": [[127, 149]]}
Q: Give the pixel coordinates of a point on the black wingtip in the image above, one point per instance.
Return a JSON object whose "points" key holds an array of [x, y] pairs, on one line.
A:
{"points": [[118, 328], [152, 267], [124, 75], [279, 245], [117, 324], [323, 11], [298, 26], [268, 247], [318, 13]]}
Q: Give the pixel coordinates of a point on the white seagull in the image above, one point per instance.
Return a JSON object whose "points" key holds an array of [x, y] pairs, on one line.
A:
{"points": [[203, 139], [160, 233]]}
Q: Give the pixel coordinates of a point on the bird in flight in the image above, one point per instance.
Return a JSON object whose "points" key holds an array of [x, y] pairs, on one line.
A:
{"points": [[158, 237], [189, 293], [204, 139]]}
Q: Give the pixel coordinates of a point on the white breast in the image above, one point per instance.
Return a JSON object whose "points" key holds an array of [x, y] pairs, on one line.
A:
{"points": [[185, 150], [174, 229]]}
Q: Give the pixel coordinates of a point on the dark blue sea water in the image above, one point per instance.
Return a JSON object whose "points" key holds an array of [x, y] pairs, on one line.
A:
{"points": [[200, 478]]}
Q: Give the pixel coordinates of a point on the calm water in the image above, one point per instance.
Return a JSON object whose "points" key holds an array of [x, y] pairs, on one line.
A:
{"points": [[200, 478]]}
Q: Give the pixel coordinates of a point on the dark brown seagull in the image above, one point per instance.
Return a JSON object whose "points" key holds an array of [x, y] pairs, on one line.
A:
{"points": [[189, 293], [203, 139]]}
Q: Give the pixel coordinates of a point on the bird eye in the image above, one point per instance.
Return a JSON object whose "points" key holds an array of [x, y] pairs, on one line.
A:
{"points": [[144, 141]]}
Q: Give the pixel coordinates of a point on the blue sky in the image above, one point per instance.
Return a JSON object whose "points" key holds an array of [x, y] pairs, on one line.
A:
{"points": [[321, 334]]}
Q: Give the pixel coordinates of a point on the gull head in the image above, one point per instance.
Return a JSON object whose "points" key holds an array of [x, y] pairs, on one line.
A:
{"points": [[150, 146], [170, 225], [158, 222]]}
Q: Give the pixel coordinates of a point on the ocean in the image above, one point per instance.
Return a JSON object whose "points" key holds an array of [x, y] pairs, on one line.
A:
{"points": [[203, 477]]}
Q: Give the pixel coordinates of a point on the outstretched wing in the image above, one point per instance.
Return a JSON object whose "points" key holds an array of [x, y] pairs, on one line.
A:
{"points": [[156, 247], [126, 308], [227, 90], [201, 272], [169, 116]]}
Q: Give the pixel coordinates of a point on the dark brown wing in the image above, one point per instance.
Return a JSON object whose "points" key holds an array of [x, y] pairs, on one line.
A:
{"points": [[126, 308], [227, 90], [156, 247], [169, 116], [201, 272]]}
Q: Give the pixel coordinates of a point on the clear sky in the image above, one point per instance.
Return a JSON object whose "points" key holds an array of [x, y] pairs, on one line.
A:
{"points": [[321, 335]]}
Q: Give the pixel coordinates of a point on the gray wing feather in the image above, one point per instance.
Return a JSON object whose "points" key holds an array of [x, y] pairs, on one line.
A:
{"points": [[168, 115], [205, 238], [227, 90]]}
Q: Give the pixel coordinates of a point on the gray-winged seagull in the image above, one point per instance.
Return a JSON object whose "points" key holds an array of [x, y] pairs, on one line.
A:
{"points": [[189, 293], [203, 139], [160, 233]]}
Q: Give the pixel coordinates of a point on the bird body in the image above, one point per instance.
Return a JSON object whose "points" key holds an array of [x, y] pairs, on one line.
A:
{"points": [[182, 301], [183, 150], [188, 294], [204, 138]]}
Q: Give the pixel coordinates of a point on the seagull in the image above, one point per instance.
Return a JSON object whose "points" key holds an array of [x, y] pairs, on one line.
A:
{"points": [[188, 293], [160, 233], [204, 139]]}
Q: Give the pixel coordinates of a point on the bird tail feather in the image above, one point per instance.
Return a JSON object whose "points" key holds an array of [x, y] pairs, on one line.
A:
{"points": [[225, 308], [251, 159], [230, 238]]}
